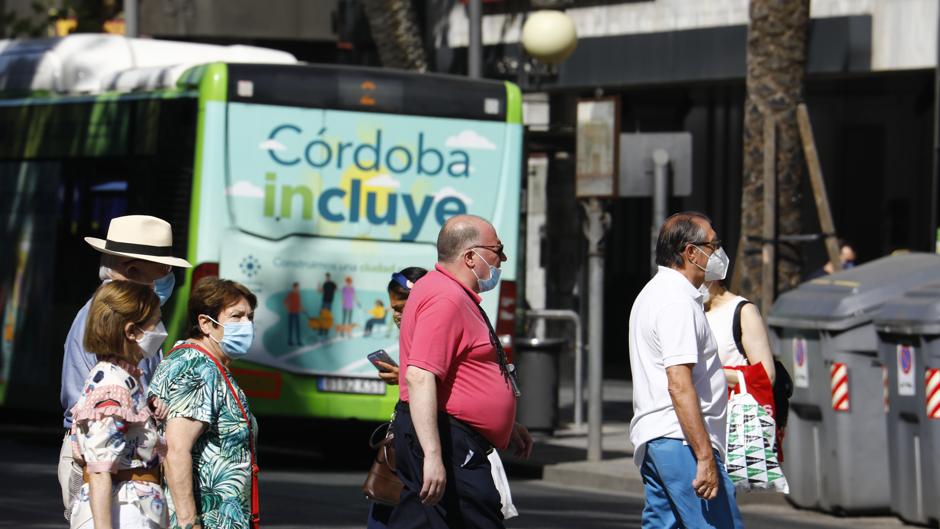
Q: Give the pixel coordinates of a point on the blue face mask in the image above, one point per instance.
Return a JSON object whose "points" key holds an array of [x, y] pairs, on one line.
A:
{"points": [[490, 282], [163, 287], [236, 337]]}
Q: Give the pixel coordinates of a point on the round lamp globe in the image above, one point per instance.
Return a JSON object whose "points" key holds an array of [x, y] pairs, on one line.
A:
{"points": [[549, 36]]}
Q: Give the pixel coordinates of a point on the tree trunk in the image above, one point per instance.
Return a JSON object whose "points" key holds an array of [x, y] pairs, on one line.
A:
{"points": [[396, 34], [776, 58]]}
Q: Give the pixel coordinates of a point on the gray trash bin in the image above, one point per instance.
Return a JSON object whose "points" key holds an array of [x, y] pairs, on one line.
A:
{"points": [[909, 339], [834, 456], [537, 361]]}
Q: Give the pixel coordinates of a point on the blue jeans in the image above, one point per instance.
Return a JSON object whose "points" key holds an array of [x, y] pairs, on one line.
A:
{"points": [[668, 470]]}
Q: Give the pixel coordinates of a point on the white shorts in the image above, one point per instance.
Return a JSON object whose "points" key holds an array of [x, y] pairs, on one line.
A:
{"points": [[124, 516], [70, 476]]}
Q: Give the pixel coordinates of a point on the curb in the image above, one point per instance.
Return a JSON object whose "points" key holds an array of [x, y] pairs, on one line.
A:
{"points": [[619, 475]]}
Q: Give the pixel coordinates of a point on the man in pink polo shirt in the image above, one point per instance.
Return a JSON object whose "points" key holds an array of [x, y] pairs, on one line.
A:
{"points": [[457, 398]]}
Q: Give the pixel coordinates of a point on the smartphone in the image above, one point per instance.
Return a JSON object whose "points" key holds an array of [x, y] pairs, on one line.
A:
{"points": [[381, 356]]}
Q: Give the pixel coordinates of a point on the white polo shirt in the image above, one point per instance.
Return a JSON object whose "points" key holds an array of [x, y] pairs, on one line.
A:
{"points": [[667, 328]]}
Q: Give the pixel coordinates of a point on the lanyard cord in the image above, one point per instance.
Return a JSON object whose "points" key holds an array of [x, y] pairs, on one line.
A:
{"points": [[507, 369], [255, 501]]}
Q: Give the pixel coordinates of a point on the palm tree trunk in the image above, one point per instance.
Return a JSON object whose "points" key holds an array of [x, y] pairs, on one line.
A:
{"points": [[776, 59], [396, 34]]}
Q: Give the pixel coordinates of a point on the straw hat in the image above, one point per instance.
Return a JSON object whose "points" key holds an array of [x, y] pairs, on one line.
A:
{"points": [[139, 237]]}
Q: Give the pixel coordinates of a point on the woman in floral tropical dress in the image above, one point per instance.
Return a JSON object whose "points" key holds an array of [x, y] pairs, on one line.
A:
{"points": [[114, 436], [210, 465]]}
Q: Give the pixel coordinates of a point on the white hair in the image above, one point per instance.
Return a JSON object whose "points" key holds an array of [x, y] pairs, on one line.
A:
{"points": [[105, 273]]}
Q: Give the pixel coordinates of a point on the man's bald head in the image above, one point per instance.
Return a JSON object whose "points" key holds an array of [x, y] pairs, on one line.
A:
{"points": [[458, 234]]}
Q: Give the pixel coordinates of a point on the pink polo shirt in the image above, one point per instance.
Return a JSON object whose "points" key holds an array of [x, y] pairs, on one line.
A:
{"points": [[443, 332]]}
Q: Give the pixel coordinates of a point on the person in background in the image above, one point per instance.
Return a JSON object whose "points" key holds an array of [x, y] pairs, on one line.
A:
{"points": [[398, 290], [211, 465], [114, 434], [720, 307], [294, 308], [743, 346], [846, 256], [138, 248]]}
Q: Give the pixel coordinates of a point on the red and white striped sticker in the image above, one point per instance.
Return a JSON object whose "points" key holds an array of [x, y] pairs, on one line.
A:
{"points": [[932, 386], [839, 383]]}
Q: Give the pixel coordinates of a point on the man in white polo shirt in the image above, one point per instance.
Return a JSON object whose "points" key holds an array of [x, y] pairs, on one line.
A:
{"points": [[679, 389]]}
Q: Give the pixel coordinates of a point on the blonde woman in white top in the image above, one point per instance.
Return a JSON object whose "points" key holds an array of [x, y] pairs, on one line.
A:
{"points": [[720, 306]]}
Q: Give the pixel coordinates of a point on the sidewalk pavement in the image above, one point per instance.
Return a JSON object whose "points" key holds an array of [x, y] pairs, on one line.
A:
{"points": [[560, 457]]}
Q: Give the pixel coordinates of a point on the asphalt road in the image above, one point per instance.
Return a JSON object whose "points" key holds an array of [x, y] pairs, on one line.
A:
{"points": [[301, 491]]}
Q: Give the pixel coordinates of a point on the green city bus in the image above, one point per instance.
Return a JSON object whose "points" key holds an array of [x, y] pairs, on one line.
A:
{"points": [[271, 175]]}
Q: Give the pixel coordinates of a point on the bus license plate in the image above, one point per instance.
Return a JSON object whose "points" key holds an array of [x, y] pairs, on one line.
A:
{"points": [[362, 386]]}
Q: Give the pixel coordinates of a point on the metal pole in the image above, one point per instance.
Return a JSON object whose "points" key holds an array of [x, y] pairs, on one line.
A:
{"points": [[131, 26], [475, 46], [575, 318], [597, 222], [935, 177], [660, 198]]}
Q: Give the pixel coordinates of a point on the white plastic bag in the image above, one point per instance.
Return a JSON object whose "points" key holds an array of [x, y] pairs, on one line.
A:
{"points": [[751, 456], [502, 485]]}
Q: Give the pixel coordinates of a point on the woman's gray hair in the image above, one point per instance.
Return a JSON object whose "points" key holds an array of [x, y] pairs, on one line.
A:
{"points": [[678, 231]]}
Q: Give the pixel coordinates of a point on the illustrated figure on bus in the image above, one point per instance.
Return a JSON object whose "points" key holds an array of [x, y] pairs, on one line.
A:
{"points": [[328, 289], [349, 302], [294, 308], [377, 313], [322, 323]]}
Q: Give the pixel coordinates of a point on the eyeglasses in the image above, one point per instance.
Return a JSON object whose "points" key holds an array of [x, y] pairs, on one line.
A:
{"points": [[714, 245], [498, 249]]}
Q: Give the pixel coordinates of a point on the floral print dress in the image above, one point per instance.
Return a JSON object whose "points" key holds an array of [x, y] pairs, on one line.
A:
{"points": [[191, 386], [113, 430]]}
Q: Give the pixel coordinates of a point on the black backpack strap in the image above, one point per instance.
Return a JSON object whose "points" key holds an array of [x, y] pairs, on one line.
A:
{"points": [[736, 327]]}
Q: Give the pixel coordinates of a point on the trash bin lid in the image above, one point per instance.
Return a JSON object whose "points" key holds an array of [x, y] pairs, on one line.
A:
{"points": [[528, 343], [852, 297], [917, 312]]}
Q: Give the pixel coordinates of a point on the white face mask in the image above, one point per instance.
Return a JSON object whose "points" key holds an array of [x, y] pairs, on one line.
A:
{"points": [[151, 341], [706, 295], [717, 266]]}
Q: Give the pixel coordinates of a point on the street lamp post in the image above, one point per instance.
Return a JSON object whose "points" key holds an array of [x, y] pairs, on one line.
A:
{"points": [[598, 220], [475, 44]]}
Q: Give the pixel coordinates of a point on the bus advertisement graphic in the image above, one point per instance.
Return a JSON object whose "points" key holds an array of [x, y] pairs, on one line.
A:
{"points": [[327, 204]]}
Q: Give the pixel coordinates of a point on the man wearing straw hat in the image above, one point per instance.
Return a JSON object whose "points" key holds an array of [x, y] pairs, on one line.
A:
{"points": [[138, 248]]}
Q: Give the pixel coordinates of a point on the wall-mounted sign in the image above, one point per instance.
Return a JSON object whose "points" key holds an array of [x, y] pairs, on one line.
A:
{"points": [[598, 135]]}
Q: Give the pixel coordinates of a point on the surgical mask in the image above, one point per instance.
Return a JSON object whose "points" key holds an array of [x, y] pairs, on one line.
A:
{"points": [[717, 266], [490, 282], [163, 287], [236, 337], [706, 295], [151, 341]]}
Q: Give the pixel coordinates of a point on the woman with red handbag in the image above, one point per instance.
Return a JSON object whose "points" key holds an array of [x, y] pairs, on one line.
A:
{"points": [[211, 468], [743, 346]]}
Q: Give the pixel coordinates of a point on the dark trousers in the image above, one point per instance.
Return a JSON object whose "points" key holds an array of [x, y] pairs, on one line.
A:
{"points": [[293, 328], [470, 499]]}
